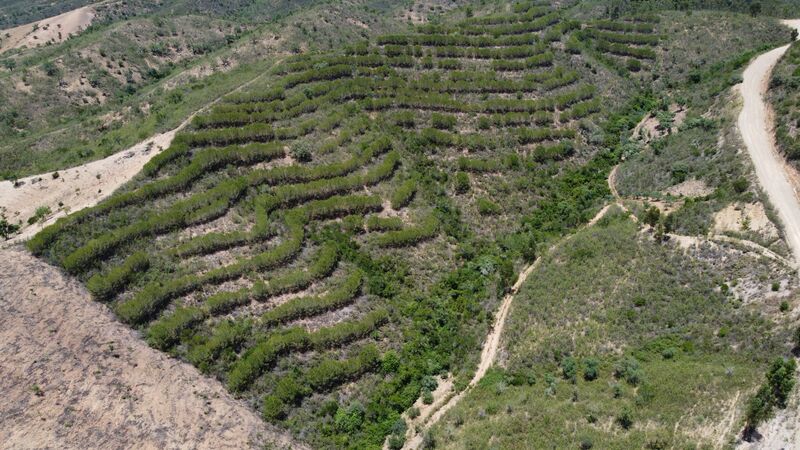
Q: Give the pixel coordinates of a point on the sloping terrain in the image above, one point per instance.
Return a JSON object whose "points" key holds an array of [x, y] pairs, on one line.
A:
{"points": [[335, 240], [110, 390], [298, 241]]}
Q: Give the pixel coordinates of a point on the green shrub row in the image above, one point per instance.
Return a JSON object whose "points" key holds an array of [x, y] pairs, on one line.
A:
{"points": [[333, 372], [581, 110], [402, 196], [227, 335], [412, 235], [255, 132], [541, 60], [535, 135], [177, 149], [625, 50], [377, 223], [623, 38], [446, 103], [514, 119], [340, 205], [623, 26], [105, 286], [323, 376], [317, 74], [210, 243], [488, 82], [259, 96], [302, 307], [164, 333], [265, 353], [193, 210], [512, 52], [554, 152], [155, 296], [322, 265]]}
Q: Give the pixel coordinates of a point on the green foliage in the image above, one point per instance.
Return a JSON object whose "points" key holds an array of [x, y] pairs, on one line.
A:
{"points": [[487, 207], [308, 306], [404, 194], [461, 183], [590, 369], [105, 286], [412, 235], [7, 229], [166, 332]]}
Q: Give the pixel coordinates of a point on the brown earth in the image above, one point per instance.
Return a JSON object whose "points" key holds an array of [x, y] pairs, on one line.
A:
{"points": [[74, 377]]}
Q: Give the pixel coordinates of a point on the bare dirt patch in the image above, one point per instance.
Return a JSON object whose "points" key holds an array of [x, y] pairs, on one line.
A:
{"points": [[749, 216], [54, 29], [76, 188], [689, 188], [72, 376]]}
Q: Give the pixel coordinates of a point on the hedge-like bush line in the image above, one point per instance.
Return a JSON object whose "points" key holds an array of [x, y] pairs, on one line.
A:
{"points": [[265, 353], [166, 332], [302, 307], [322, 265], [427, 229], [404, 193], [105, 286]]}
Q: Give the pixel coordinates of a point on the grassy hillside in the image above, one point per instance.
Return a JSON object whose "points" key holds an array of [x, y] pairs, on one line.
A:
{"points": [[617, 341], [141, 70], [331, 238]]}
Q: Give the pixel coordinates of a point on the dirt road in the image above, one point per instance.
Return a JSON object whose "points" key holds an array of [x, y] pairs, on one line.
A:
{"points": [[72, 376], [490, 347], [755, 124]]}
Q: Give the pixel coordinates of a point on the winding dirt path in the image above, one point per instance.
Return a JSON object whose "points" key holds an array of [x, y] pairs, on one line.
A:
{"points": [[756, 127], [489, 352], [779, 181]]}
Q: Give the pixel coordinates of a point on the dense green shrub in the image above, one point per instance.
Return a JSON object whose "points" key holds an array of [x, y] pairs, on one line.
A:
{"points": [[487, 207], [166, 332], [461, 183], [105, 286], [403, 195], [427, 229], [301, 307], [377, 223]]}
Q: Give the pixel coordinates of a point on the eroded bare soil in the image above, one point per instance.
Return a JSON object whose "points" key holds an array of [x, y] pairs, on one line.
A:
{"points": [[73, 377]]}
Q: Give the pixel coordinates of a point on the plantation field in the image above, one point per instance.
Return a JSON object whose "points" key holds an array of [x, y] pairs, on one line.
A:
{"points": [[330, 238], [334, 233]]}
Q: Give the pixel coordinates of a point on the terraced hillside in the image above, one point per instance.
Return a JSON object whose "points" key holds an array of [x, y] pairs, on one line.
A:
{"points": [[331, 239]]}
